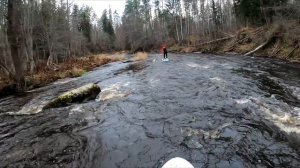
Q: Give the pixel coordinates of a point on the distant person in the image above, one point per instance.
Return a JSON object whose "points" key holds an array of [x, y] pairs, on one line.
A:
{"points": [[165, 53]]}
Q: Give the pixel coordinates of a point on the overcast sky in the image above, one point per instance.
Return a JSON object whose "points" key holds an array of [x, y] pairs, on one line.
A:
{"points": [[100, 5]]}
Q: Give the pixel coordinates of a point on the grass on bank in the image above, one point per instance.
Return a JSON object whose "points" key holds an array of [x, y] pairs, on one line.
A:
{"points": [[71, 68], [140, 56]]}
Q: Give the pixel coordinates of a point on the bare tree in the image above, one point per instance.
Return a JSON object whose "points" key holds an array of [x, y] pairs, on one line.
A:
{"points": [[16, 39]]}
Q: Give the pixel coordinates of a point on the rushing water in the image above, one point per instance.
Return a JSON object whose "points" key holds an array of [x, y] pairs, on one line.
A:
{"points": [[214, 111]]}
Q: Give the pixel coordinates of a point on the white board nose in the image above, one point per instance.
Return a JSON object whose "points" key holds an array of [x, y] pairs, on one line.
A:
{"points": [[178, 163]]}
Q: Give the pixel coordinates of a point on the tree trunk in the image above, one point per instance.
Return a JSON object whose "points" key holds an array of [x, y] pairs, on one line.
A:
{"points": [[181, 27], [50, 58], [177, 34], [27, 30], [30, 52], [16, 40], [7, 58], [28, 46], [257, 48], [50, 47]]}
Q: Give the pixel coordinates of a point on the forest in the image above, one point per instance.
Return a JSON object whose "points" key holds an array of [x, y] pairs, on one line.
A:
{"points": [[191, 83], [43, 33]]}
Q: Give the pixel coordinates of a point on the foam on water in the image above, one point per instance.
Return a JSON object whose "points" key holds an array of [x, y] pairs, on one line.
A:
{"points": [[283, 119], [114, 91], [194, 65]]}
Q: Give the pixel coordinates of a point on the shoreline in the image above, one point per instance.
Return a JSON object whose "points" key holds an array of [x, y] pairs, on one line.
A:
{"points": [[274, 41], [69, 69]]}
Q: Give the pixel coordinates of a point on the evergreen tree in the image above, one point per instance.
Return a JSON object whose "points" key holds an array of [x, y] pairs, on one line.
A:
{"points": [[110, 14], [85, 25], [116, 19], [107, 24]]}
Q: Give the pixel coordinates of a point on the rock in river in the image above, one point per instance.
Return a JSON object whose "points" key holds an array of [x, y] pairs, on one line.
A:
{"points": [[86, 92], [38, 104]]}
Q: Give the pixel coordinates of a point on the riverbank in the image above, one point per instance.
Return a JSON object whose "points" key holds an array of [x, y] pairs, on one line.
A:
{"points": [[71, 68], [277, 41]]}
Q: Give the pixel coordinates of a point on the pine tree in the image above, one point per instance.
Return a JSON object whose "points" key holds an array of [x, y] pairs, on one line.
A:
{"points": [[107, 24], [110, 14], [116, 19], [85, 25]]}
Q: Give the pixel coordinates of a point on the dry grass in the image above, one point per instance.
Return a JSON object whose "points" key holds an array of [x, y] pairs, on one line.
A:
{"points": [[140, 56], [72, 68], [77, 67], [274, 31], [283, 41], [100, 58], [175, 48], [244, 48], [96, 60]]}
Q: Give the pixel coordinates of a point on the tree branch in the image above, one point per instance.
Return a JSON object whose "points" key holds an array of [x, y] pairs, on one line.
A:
{"points": [[214, 41]]}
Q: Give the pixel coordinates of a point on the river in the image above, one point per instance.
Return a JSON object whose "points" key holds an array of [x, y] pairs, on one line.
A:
{"points": [[214, 111]]}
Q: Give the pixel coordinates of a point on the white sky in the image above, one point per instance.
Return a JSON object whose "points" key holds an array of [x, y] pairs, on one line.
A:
{"points": [[100, 5]]}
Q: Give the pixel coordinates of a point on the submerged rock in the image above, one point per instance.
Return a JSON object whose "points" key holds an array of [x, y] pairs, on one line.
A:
{"points": [[86, 92]]}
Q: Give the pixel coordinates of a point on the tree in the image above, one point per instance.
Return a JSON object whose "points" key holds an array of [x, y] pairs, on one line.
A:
{"points": [[116, 19], [146, 10], [107, 24], [27, 28], [133, 24], [85, 25], [216, 17], [254, 11], [16, 40], [45, 31]]}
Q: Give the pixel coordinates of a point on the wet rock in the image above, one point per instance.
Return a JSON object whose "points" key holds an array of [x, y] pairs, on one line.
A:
{"points": [[229, 164], [40, 103], [193, 144], [229, 133], [86, 92]]}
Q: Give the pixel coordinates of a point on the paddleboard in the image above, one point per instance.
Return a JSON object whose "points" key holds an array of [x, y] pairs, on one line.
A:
{"points": [[177, 162], [165, 60]]}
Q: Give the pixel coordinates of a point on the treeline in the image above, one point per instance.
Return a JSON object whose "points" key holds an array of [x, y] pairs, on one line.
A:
{"points": [[37, 33], [149, 23]]}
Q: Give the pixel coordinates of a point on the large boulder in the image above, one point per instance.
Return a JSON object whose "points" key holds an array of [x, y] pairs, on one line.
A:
{"points": [[86, 92], [38, 104]]}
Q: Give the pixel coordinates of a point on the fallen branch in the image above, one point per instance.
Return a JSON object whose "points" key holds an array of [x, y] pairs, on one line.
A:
{"points": [[292, 52], [257, 48], [214, 41], [275, 50]]}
